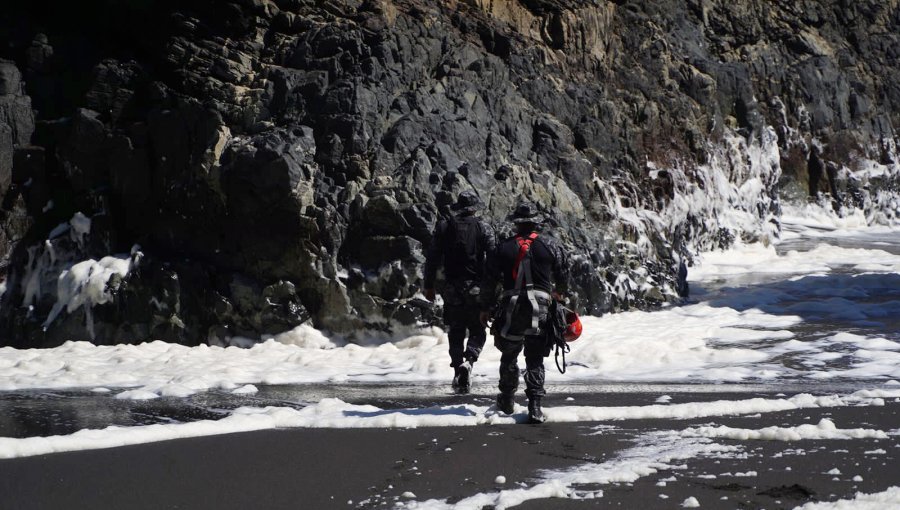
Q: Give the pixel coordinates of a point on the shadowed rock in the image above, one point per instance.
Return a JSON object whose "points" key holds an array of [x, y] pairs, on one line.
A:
{"points": [[309, 146]]}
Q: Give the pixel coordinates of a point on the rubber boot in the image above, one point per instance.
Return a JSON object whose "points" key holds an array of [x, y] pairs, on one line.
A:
{"points": [[535, 413], [463, 377], [506, 402]]}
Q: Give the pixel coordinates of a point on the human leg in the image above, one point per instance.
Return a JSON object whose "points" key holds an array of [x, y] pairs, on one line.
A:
{"points": [[456, 335], [473, 348], [454, 318], [509, 373], [456, 323], [534, 366], [535, 350], [477, 335]]}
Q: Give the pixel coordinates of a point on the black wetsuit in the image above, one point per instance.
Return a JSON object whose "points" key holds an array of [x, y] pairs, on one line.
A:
{"points": [[461, 244]]}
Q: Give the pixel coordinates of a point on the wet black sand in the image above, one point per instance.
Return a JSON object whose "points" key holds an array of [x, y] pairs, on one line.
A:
{"points": [[362, 468]]}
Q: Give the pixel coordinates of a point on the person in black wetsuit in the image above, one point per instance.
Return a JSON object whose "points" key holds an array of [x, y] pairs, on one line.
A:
{"points": [[532, 270], [461, 243]]}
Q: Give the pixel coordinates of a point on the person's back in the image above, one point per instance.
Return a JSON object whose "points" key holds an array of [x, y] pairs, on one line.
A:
{"points": [[547, 265]]}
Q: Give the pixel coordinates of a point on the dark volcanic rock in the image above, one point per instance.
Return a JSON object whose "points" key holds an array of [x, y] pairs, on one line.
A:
{"points": [[283, 161], [15, 106]]}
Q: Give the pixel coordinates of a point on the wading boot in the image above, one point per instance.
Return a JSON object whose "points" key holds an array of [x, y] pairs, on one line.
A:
{"points": [[535, 414], [506, 402], [463, 377]]}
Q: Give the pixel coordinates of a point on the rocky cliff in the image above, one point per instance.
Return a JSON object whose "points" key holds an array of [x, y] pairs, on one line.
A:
{"points": [[200, 170]]}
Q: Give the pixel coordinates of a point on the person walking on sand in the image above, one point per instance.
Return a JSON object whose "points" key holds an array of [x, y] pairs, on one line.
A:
{"points": [[461, 243], [532, 270]]}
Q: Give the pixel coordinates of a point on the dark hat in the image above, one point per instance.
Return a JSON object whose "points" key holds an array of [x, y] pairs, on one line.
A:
{"points": [[467, 201], [526, 212]]}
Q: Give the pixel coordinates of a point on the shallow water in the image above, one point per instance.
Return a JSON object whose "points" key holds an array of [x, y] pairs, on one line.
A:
{"points": [[843, 300], [48, 413]]}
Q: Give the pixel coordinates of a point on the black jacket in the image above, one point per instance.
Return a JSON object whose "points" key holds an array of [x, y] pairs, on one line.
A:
{"points": [[549, 268], [463, 259]]}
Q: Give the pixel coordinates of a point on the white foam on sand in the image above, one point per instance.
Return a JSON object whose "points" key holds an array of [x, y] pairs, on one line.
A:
{"points": [[335, 413], [825, 429], [877, 501], [745, 337], [652, 453], [689, 343]]}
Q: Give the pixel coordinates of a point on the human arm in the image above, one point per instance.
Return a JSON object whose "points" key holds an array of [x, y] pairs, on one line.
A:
{"points": [[490, 280], [488, 239], [434, 255], [561, 273]]}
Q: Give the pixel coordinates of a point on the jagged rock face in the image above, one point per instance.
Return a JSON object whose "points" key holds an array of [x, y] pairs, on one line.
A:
{"points": [[280, 161], [16, 129]]}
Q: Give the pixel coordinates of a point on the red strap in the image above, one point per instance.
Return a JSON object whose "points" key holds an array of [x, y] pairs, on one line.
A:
{"points": [[524, 246]]}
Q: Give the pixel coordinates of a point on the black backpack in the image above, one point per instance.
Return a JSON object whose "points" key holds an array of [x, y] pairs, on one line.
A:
{"points": [[462, 246]]}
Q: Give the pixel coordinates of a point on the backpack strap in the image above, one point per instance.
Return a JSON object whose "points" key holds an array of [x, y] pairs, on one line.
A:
{"points": [[521, 272], [564, 348], [524, 248], [529, 291]]}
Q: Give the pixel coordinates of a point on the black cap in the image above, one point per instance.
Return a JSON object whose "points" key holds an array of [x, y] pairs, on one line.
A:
{"points": [[467, 201], [526, 212]]}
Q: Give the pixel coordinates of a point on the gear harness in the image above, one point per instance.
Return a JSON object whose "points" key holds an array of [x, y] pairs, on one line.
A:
{"points": [[521, 273]]}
